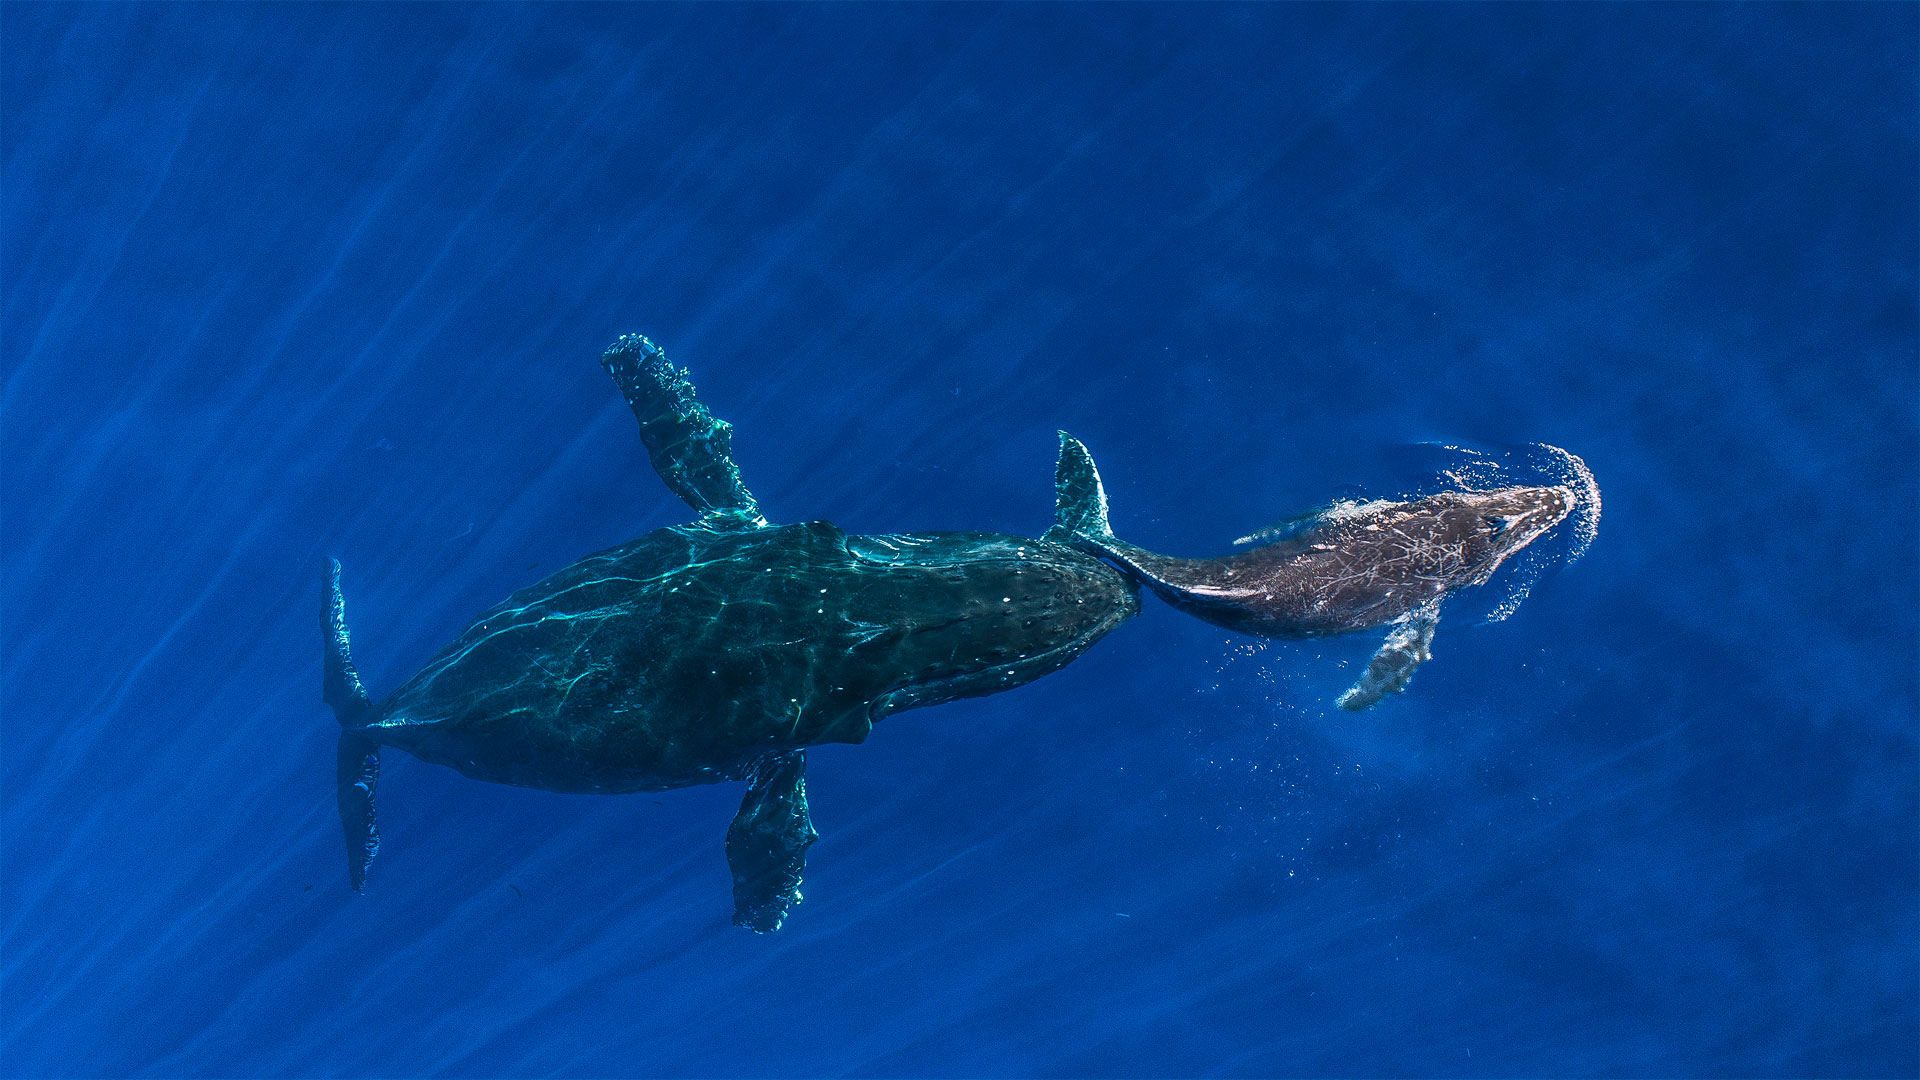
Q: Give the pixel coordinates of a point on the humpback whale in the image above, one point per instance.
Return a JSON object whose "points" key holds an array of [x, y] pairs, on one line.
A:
{"points": [[718, 650], [1356, 567]]}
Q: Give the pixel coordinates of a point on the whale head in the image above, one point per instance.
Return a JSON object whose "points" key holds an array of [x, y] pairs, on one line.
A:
{"points": [[975, 613], [1493, 526]]}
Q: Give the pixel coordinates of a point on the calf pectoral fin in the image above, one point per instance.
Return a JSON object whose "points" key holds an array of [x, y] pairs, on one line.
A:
{"points": [[1391, 669], [767, 843]]}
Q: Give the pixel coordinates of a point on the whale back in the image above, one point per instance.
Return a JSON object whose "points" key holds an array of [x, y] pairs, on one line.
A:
{"points": [[688, 654], [665, 661]]}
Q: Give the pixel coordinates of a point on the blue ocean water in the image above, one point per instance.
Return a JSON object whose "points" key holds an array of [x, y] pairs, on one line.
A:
{"points": [[287, 282]]}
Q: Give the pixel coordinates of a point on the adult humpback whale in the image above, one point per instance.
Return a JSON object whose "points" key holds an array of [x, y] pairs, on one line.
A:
{"points": [[1368, 565], [718, 650]]}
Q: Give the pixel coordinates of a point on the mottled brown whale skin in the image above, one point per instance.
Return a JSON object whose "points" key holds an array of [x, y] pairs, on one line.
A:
{"points": [[1357, 567]]}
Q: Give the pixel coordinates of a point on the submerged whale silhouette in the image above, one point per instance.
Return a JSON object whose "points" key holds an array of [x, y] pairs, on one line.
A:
{"points": [[722, 648], [1353, 568], [718, 650]]}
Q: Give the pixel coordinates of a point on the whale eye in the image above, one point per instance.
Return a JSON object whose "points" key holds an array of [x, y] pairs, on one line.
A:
{"points": [[1497, 524]]}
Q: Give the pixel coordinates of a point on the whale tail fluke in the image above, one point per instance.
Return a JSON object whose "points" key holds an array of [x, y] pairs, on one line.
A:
{"points": [[1080, 501], [357, 759]]}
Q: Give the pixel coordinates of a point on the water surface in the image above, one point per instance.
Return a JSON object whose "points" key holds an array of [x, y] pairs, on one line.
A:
{"points": [[284, 282]]}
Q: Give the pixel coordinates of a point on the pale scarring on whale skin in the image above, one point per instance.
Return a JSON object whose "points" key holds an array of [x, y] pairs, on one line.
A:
{"points": [[1367, 565]]}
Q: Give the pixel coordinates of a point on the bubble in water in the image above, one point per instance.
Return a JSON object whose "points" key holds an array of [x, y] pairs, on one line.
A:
{"points": [[1573, 473]]}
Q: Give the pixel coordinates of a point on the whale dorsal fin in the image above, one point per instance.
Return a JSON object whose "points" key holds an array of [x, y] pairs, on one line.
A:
{"points": [[1285, 528], [1347, 507], [691, 448]]}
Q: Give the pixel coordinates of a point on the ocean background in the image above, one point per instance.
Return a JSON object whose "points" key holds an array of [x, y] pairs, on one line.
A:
{"points": [[284, 282]]}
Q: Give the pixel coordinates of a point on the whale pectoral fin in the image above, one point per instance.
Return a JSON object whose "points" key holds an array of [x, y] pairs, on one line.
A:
{"points": [[767, 843], [690, 448], [1391, 669]]}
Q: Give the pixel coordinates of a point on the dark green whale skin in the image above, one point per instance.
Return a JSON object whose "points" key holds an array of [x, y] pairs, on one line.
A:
{"points": [[688, 655]]}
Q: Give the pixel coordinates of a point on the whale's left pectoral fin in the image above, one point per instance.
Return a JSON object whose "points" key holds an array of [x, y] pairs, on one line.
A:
{"points": [[1391, 669], [690, 448], [767, 843]]}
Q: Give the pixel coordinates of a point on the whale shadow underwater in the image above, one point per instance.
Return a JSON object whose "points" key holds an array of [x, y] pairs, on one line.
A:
{"points": [[721, 649]]}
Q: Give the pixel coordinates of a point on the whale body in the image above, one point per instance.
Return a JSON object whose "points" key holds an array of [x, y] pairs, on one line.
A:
{"points": [[722, 649], [717, 650], [1357, 567]]}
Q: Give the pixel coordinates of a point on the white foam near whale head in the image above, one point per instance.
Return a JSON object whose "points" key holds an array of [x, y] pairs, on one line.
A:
{"points": [[1574, 474], [1538, 463]]}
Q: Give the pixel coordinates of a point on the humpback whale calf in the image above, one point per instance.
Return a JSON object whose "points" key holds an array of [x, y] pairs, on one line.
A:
{"points": [[1354, 568], [718, 650]]}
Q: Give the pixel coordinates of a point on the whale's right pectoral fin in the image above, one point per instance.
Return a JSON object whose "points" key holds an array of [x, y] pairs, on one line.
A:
{"points": [[1391, 669], [767, 843], [691, 448]]}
